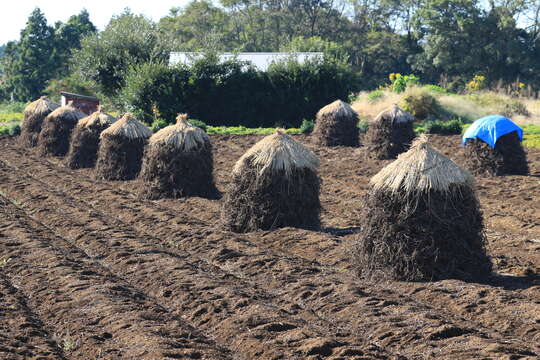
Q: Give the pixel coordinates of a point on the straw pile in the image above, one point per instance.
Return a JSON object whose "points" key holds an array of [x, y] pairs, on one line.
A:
{"points": [[422, 221], [121, 149], [389, 134], [85, 140], [34, 114], [178, 162], [507, 158], [336, 125], [56, 130], [275, 184]]}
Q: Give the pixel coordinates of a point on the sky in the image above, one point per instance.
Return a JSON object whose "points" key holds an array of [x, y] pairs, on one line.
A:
{"points": [[14, 13]]}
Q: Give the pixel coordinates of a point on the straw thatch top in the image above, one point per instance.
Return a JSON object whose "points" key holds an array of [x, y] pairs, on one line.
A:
{"points": [[40, 106], [68, 111], [421, 169], [395, 114], [97, 118], [277, 152], [128, 127], [339, 109], [182, 135]]}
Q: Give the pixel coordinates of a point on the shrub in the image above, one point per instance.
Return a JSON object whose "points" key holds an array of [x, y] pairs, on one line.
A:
{"points": [[400, 82], [363, 126], [158, 124], [307, 126], [452, 127], [234, 93], [375, 96], [198, 123], [8, 107], [12, 129], [421, 104], [436, 89]]}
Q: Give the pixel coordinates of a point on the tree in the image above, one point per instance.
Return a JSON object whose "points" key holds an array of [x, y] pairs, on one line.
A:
{"points": [[127, 40], [68, 35], [449, 37], [28, 63]]}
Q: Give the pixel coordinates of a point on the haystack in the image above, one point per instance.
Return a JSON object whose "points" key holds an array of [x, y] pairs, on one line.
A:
{"points": [[493, 147], [390, 134], [56, 130], [507, 157], [275, 184], [422, 221], [85, 139], [121, 149], [336, 125], [178, 162], [34, 114]]}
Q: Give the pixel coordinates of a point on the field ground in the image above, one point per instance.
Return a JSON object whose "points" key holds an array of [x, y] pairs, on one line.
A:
{"points": [[88, 271]]}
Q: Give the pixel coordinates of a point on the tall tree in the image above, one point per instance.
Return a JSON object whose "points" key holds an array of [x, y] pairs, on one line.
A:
{"points": [[29, 63], [68, 35]]}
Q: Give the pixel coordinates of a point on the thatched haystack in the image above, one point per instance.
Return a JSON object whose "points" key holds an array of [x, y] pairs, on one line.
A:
{"points": [[85, 139], [34, 114], [507, 157], [275, 184], [121, 149], [178, 162], [56, 130], [422, 221], [390, 134], [336, 125]]}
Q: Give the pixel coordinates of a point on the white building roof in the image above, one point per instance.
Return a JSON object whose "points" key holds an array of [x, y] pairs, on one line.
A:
{"points": [[260, 60]]}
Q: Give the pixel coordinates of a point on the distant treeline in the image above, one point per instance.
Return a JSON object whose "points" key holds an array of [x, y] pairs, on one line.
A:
{"points": [[445, 42]]}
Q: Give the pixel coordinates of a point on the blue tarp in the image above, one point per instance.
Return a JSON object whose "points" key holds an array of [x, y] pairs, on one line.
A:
{"points": [[491, 128]]}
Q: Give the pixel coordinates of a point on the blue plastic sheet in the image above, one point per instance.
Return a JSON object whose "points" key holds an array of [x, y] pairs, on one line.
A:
{"points": [[491, 128]]}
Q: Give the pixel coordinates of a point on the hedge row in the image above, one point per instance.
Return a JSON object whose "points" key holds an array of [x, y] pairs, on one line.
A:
{"points": [[234, 93]]}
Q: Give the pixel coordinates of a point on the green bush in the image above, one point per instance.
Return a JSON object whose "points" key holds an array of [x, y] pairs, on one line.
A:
{"points": [[421, 104], [307, 126], [242, 130], [234, 93], [12, 107], [158, 124], [13, 129], [363, 126], [375, 96], [198, 123], [436, 89], [452, 127]]}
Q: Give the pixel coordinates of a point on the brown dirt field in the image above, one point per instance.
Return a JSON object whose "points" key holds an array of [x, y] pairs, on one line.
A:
{"points": [[89, 271]]}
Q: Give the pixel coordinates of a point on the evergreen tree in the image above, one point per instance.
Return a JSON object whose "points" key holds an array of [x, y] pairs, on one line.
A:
{"points": [[68, 35], [29, 63]]}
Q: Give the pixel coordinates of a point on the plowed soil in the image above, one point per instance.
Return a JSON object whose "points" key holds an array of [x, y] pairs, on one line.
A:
{"points": [[90, 271]]}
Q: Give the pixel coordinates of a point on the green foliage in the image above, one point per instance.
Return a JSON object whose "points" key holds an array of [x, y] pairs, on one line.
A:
{"points": [[421, 104], [375, 96], [127, 41], [12, 129], [400, 82], [71, 83], [198, 123], [233, 93], [532, 141], [10, 117], [242, 130], [158, 124], [68, 37], [29, 63], [531, 129], [12, 107], [452, 127], [331, 50], [307, 126], [363, 126], [436, 89]]}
